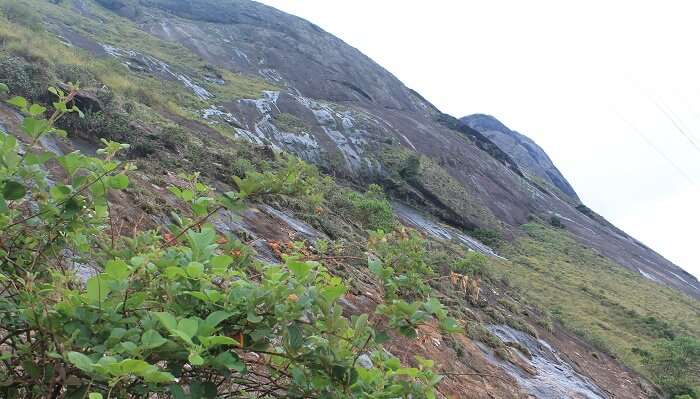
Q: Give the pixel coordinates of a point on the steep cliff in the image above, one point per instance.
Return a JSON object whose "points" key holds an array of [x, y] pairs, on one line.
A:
{"points": [[190, 80]]}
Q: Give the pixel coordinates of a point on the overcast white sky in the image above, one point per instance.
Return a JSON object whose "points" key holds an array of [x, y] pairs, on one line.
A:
{"points": [[610, 89]]}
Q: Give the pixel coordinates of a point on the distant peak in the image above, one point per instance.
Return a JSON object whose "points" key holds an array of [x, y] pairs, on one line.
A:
{"points": [[529, 156]]}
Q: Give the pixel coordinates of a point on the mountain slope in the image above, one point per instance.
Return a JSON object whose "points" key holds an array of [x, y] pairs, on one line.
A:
{"points": [[369, 106], [526, 152], [191, 79]]}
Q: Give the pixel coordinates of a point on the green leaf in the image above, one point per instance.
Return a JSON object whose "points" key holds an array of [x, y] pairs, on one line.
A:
{"points": [[19, 102], [450, 325], [217, 317], [151, 339], [135, 366], [408, 331], [95, 395], [230, 361], [60, 133], [178, 392], [254, 318], [97, 290], [299, 269], [195, 359], [158, 377], [4, 88], [375, 266], [221, 261], [13, 190], [434, 307], [60, 192], [195, 269], [119, 182], [36, 110], [173, 272], [72, 206], [409, 371], [294, 336], [188, 326], [201, 242], [183, 336], [393, 363], [381, 337], [331, 294], [187, 195], [34, 127], [117, 269], [167, 320], [202, 297], [71, 162], [37, 158], [80, 361], [208, 342]]}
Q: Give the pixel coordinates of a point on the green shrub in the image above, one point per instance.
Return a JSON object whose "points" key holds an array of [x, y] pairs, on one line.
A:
{"points": [[372, 209], [22, 77], [177, 309], [675, 365], [495, 315], [555, 221], [473, 264], [489, 237], [402, 263]]}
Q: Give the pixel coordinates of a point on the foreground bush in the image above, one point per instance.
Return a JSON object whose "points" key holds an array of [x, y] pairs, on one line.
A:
{"points": [[187, 313]]}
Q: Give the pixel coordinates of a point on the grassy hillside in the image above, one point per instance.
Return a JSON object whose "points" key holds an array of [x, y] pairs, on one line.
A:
{"points": [[617, 310]]}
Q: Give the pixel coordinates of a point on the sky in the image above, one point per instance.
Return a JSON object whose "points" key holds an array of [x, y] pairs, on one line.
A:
{"points": [[609, 89]]}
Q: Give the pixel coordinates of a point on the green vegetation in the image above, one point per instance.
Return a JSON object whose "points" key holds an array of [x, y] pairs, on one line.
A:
{"points": [[473, 264], [676, 365], [616, 310], [42, 56], [480, 333], [372, 209], [555, 221], [181, 308], [20, 13], [451, 199], [290, 123], [492, 238], [187, 310], [399, 260], [295, 178]]}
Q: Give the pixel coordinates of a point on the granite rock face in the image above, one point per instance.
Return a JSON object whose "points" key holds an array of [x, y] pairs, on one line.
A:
{"points": [[526, 153], [349, 113]]}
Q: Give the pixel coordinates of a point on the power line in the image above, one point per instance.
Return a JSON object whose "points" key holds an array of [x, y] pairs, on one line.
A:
{"points": [[670, 117], [657, 149]]}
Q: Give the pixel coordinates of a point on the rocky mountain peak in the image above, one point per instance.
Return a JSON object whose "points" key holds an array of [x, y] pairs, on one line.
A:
{"points": [[526, 153]]}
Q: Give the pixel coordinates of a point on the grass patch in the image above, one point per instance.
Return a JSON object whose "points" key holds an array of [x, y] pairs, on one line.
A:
{"points": [[290, 123], [611, 307]]}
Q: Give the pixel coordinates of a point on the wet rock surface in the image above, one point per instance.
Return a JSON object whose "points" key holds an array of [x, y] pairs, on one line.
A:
{"points": [[413, 218], [548, 376]]}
